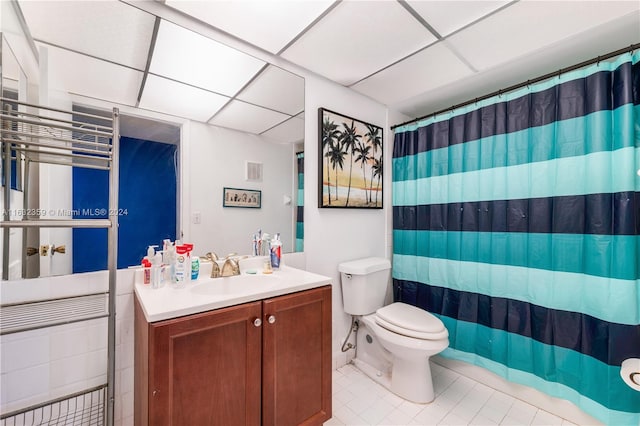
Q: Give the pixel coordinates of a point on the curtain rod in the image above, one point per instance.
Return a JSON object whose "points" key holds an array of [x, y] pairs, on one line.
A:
{"points": [[597, 59]]}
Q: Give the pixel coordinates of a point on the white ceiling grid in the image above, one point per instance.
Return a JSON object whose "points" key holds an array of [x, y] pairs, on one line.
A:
{"points": [[395, 51]]}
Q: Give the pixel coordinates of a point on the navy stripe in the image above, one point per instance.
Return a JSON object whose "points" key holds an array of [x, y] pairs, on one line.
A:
{"points": [[602, 214], [608, 342], [300, 214], [605, 90]]}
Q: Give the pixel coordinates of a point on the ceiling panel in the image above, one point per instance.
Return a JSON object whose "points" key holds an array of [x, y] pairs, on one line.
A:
{"points": [[247, 118], [266, 24], [429, 69], [186, 56], [358, 38], [448, 16], [107, 29], [528, 26], [290, 131], [81, 74], [277, 89], [171, 97]]}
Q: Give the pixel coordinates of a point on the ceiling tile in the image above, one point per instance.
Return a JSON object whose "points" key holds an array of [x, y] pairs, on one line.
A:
{"points": [[247, 118], [81, 74], [358, 38], [189, 57], [276, 89], [171, 97], [529, 26], [448, 16], [290, 131], [106, 29], [431, 68], [266, 24]]}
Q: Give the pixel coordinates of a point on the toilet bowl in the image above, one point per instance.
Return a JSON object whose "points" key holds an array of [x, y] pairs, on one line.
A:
{"points": [[393, 342], [410, 375]]}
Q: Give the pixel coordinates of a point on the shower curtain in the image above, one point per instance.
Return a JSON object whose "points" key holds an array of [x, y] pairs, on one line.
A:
{"points": [[300, 203], [517, 220]]}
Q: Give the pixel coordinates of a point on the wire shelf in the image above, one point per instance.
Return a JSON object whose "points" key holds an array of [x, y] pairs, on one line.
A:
{"points": [[85, 408]]}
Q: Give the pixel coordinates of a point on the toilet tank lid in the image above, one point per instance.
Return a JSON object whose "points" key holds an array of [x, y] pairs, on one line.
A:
{"points": [[364, 266]]}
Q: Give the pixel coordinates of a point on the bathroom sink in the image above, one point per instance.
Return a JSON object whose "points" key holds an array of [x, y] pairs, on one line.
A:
{"points": [[239, 284]]}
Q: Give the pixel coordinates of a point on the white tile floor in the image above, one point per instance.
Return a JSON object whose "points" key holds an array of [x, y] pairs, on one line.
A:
{"points": [[358, 400]]}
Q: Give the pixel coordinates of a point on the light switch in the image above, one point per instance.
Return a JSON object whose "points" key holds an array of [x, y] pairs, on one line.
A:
{"points": [[197, 218]]}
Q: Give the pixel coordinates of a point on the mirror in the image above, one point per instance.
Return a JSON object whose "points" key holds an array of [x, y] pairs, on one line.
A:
{"points": [[258, 125]]}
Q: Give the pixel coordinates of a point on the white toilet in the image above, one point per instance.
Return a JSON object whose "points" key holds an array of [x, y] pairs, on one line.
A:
{"points": [[394, 342]]}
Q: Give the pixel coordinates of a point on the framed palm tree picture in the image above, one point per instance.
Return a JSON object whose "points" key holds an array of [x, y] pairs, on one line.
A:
{"points": [[350, 162]]}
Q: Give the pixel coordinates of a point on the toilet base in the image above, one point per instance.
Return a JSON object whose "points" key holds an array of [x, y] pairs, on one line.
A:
{"points": [[404, 383], [401, 381]]}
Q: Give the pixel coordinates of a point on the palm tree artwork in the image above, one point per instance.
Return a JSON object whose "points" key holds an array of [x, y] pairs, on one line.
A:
{"points": [[330, 135], [345, 142]]}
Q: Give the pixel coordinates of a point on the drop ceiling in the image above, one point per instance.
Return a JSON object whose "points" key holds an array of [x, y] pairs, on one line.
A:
{"points": [[413, 56]]}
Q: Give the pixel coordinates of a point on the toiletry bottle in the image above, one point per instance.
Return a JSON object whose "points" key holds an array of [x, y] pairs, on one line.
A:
{"points": [[181, 266], [188, 263], [146, 271], [275, 251], [156, 271], [195, 267]]}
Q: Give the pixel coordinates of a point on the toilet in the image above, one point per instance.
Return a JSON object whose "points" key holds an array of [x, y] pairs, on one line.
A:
{"points": [[393, 342]]}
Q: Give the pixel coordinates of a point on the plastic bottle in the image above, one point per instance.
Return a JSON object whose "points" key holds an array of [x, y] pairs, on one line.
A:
{"points": [[188, 265], [146, 271], [195, 268], [156, 271], [181, 266], [275, 251]]}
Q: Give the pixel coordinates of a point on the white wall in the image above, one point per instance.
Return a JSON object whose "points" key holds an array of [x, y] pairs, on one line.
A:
{"points": [[332, 236], [216, 159]]}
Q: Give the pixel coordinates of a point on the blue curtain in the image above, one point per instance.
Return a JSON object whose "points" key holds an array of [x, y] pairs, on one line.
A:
{"points": [[300, 204], [517, 222]]}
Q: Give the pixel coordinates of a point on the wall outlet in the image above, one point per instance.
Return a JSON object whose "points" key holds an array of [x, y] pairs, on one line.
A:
{"points": [[196, 218]]}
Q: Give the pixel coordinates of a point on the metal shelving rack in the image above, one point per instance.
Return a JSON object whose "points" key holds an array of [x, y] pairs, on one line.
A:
{"points": [[32, 134]]}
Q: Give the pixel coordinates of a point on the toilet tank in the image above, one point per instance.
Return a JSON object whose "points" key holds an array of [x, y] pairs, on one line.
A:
{"points": [[364, 284]]}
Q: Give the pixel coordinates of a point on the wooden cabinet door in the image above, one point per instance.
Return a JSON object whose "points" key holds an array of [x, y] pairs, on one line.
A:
{"points": [[204, 369], [296, 345]]}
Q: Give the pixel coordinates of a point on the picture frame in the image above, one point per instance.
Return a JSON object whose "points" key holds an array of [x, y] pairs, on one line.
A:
{"points": [[237, 197], [350, 166]]}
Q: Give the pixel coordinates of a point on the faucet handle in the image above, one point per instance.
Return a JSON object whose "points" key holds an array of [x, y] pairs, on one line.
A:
{"points": [[211, 257]]}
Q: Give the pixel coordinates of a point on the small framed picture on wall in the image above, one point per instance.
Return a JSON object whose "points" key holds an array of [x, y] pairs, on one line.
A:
{"points": [[235, 197]]}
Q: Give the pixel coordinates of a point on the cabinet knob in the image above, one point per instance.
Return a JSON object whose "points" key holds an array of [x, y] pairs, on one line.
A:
{"points": [[257, 322], [271, 319]]}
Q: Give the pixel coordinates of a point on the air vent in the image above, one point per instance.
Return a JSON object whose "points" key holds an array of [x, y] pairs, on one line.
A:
{"points": [[253, 171]]}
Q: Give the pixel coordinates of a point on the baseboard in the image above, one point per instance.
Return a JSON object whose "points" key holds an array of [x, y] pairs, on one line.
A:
{"points": [[559, 407]]}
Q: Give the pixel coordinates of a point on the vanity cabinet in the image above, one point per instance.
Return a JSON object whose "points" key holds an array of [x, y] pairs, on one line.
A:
{"points": [[265, 362]]}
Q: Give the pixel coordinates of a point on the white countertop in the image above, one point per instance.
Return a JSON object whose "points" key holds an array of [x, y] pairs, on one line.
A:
{"points": [[206, 293]]}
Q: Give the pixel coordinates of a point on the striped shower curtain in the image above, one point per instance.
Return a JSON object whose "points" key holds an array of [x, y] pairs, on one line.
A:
{"points": [[517, 222], [300, 203]]}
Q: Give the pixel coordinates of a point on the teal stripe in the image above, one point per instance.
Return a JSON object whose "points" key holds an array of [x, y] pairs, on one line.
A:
{"points": [[599, 172], [567, 138], [301, 197], [613, 256], [534, 88], [300, 180], [554, 370], [550, 289], [300, 230], [299, 245]]}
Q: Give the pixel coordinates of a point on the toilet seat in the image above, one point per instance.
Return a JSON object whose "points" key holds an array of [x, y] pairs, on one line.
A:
{"points": [[411, 321]]}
